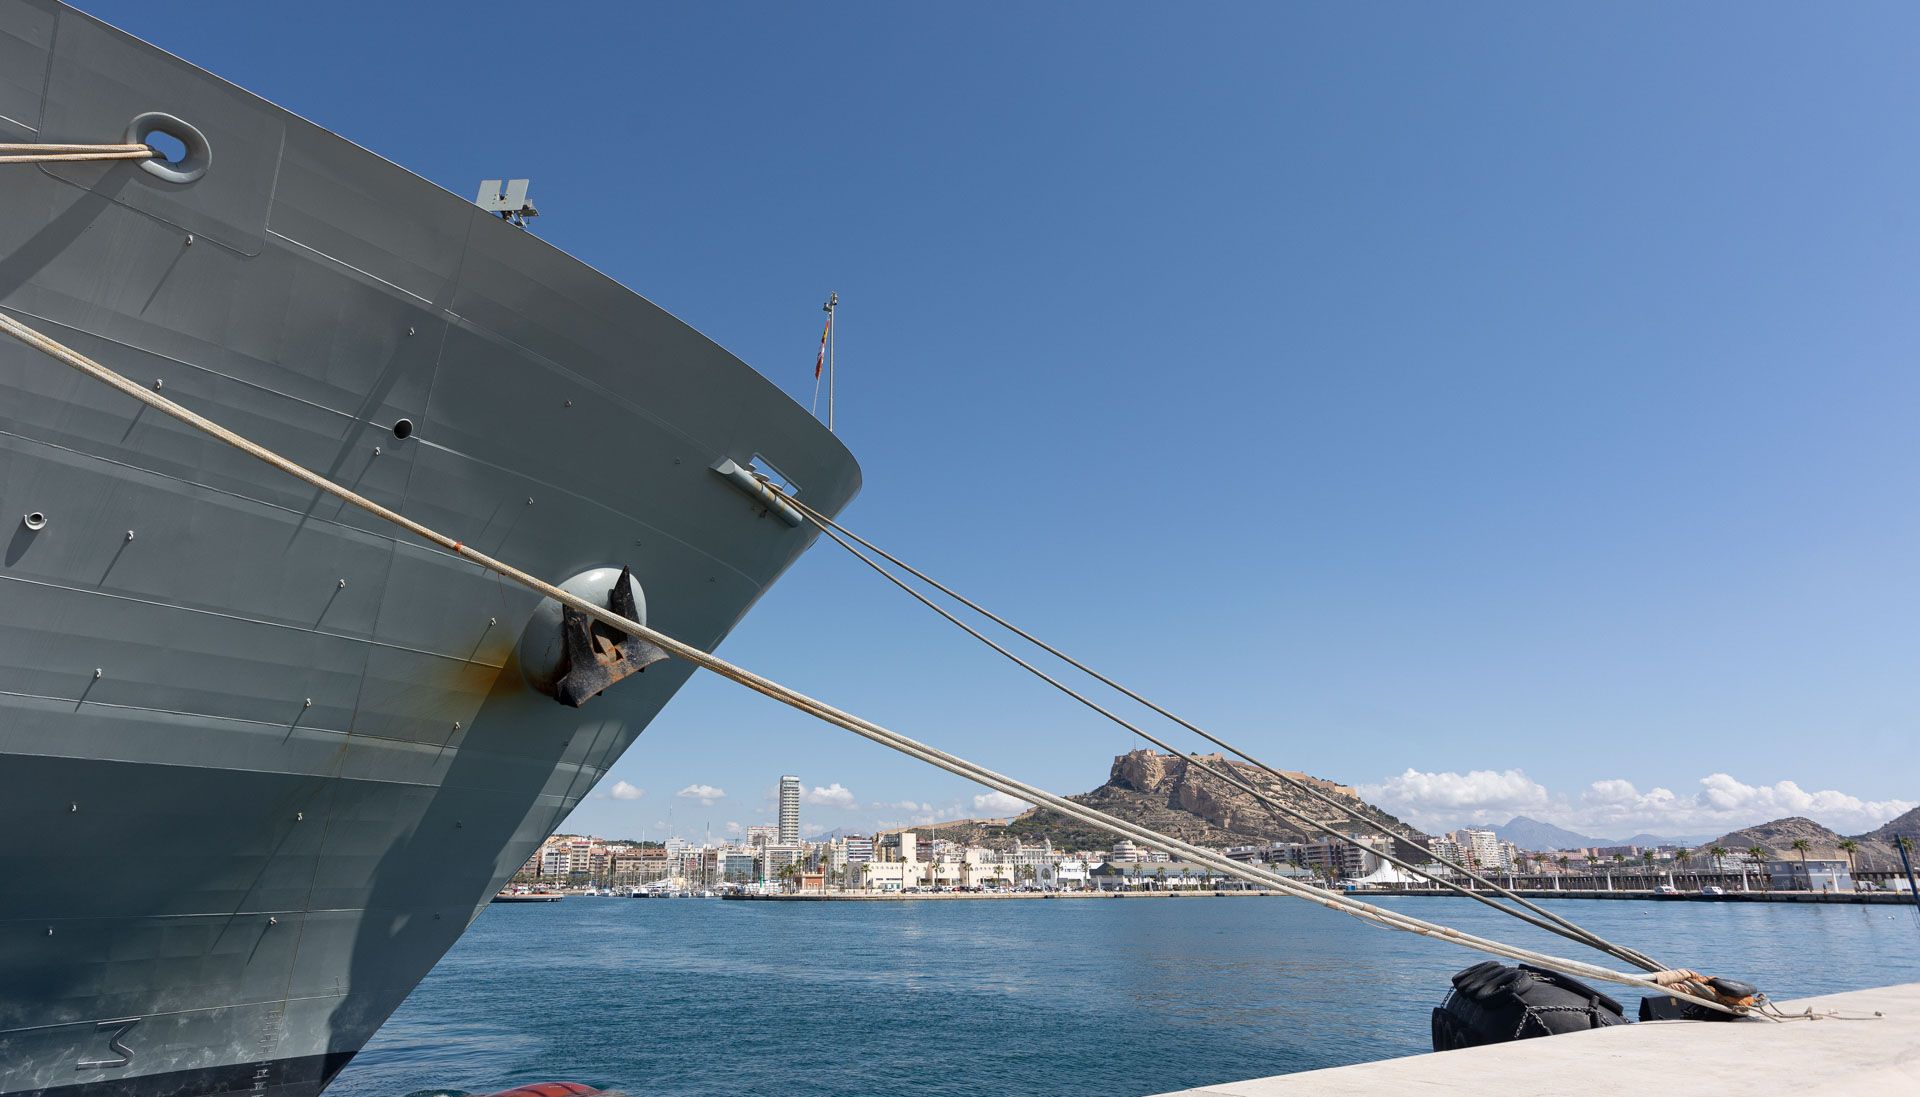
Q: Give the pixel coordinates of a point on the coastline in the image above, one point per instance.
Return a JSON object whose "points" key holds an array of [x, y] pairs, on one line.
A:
{"points": [[1845, 898]]}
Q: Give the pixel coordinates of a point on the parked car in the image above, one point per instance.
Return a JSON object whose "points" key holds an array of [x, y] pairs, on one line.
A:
{"points": [[1713, 889], [1666, 889]]}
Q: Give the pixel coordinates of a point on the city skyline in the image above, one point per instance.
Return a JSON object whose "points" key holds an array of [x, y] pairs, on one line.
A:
{"points": [[1435, 803]]}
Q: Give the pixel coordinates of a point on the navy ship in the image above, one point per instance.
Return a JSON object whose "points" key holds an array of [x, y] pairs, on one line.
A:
{"points": [[262, 757]]}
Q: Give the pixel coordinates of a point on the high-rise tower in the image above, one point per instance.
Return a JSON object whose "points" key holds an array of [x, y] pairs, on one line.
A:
{"points": [[789, 810]]}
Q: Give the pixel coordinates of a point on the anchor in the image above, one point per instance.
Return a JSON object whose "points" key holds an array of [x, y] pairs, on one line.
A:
{"points": [[596, 655]]}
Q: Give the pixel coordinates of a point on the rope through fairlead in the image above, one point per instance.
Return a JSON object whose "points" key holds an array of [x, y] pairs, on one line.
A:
{"points": [[43, 153], [1559, 924], [866, 729]]}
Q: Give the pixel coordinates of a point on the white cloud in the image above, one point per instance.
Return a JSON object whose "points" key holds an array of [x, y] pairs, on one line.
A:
{"points": [[999, 803], [1452, 799], [735, 828], [1726, 801], [706, 794], [832, 796], [1615, 808], [624, 791], [903, 805]]}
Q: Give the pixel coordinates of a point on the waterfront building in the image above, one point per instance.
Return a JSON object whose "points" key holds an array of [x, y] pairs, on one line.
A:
{"points": [[776, 857], [789, 810], [639, 866], [1346, 859], [1071, 873], [1167, 875], [859, 850], [1480, 847], [761, 834], [901, 845], [737, 866], [1822, 870], [886, 875]]}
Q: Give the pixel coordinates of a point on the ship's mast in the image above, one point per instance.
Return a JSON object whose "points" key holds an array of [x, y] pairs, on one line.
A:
{"points": [[833, 303]]}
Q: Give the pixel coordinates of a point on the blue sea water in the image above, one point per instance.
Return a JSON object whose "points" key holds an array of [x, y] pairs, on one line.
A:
{"points": [[1087, 996]]}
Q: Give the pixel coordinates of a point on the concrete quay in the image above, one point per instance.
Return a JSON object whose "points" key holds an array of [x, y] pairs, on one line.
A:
{"points": [[1870, 1047]]}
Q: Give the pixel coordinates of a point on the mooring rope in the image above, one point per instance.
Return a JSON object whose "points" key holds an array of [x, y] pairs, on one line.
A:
{"points": [[1561, 925], [43, 153], [864, 728]]}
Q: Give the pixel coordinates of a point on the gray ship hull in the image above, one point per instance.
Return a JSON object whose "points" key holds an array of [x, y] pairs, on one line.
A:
{"points": [[262, 760]]}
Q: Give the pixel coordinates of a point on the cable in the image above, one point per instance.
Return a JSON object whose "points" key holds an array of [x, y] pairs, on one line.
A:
{"points": [[1632, 956], [1273, 807]]}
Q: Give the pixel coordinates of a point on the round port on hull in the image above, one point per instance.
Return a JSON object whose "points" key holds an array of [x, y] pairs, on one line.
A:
{"points": [[34, 520]]}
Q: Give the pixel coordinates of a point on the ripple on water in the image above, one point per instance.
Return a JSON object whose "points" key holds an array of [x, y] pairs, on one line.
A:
{"points": [[938, 999]]}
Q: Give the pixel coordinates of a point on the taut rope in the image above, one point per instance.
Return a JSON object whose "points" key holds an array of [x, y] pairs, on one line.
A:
{"points": [[1563, 926], [1552, 923], [36, 153], [866, 729]]}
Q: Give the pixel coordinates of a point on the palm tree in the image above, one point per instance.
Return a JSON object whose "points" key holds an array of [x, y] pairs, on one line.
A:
{"points": [[1758, 855], [1718, 852], [1801, 846], [1849, 847], [1684, 856]]}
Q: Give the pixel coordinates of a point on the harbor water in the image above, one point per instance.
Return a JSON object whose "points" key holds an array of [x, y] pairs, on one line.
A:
{"points": [[1083, 996]]}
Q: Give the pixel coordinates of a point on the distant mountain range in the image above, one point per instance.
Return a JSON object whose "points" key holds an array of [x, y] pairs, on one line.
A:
{"points": [[1536, 835], [1874, 849]]}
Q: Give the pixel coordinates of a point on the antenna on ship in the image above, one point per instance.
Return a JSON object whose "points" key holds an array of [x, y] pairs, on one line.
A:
{"points": [[825, 359], [508, 202]]}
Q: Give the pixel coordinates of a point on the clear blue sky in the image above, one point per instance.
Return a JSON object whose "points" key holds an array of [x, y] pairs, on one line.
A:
{"points": [[1395, 387]]}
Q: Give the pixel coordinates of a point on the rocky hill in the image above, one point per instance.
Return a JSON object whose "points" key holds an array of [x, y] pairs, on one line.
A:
{"points": [[1166, 793], [1779, 836], [1874, 850], [1907, 825]]}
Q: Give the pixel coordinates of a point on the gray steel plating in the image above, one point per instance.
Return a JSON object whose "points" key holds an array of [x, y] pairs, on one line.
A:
{"points": [[262, 760]]}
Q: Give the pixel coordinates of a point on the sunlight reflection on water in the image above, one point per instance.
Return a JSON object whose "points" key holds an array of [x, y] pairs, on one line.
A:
{"points": [[1014, 997]]}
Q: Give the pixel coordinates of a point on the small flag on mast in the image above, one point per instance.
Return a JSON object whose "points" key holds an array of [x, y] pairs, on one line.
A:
{"points": [[821, 359]]}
